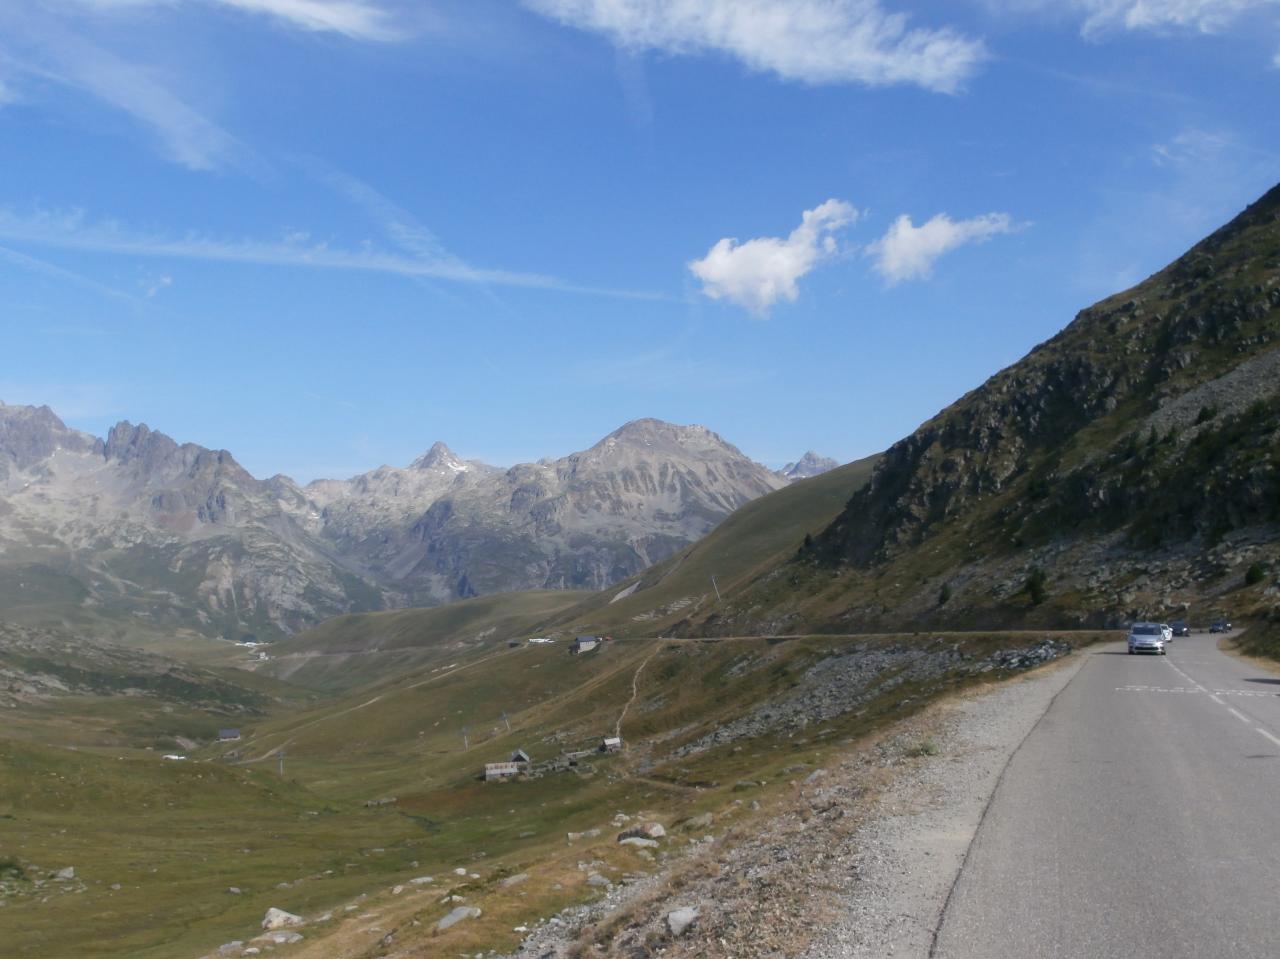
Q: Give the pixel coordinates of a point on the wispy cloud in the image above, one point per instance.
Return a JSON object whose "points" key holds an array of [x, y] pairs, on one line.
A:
{"points": [[813, 41], [908, 252], [60, 45], [758, 273], [1099, 17], [44, 49], [31, 264], [1206, 16], [357, 19], [73, 231]]}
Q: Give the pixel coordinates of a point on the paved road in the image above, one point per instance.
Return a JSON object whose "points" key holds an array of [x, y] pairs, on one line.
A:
{"points": [[1140, 818]]}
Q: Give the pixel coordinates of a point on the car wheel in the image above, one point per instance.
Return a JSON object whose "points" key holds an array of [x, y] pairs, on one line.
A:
{"points": [[1164, 652]]}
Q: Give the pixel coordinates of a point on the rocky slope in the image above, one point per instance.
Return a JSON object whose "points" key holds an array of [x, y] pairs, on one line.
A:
{"points": [[139, 529], [1130, 466]]}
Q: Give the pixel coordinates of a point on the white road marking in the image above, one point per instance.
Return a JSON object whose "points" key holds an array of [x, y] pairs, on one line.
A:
{"points": [[1239, 715], [1214, 694], [1268, 735]]}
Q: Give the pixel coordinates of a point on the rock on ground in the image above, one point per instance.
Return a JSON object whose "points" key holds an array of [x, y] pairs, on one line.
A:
{"points": [[456, 916], [279, 919], [681, 919]]}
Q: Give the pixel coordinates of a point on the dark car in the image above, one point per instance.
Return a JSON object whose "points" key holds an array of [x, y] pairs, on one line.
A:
{"points": [[1180, 627], [1220, 626]]}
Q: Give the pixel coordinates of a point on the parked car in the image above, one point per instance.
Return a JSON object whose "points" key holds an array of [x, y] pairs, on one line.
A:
{"points": [[1167, 631], [1180, 627], [1146, 638], [1220, 626]]}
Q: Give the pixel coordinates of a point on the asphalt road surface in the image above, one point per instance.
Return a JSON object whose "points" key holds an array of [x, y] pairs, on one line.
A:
{"points": [[1141, 817]]}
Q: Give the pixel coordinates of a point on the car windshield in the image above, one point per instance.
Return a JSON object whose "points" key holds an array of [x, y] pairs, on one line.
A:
{"points": [[1146, 629]]}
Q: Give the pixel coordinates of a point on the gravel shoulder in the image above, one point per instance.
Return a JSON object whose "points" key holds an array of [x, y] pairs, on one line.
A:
{"points": [[854, 860], [911, 847]]}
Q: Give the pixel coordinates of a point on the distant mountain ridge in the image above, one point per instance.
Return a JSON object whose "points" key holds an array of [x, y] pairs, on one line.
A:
{"points": [[138, 527]]}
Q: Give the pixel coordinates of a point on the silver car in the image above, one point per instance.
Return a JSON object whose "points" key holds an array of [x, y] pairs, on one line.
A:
{"points": [[1146, 638]]}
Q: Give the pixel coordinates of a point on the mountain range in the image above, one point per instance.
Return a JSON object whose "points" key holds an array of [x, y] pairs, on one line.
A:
{"points": [[138, 529]]}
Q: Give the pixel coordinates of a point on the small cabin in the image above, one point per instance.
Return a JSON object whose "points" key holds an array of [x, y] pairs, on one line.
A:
{"points": [[584, 644], [611, 744], [228, 735], [517, 764]]}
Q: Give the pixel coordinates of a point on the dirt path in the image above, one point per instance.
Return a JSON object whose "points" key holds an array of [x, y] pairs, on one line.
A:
{"points": [[635, 691]]}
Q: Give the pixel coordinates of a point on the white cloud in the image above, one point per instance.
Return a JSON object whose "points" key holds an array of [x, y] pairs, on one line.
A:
{"points": [[73, 231], [814, 41], [758, 273], [1191, 147], [908, 252]]}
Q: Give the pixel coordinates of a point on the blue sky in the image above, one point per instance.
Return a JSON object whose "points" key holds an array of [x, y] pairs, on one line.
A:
{"points": [[325, 233]]}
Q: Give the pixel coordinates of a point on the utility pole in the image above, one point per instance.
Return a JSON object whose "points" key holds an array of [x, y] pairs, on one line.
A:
{"points": [[716, 588], [505, 720], [466, 743], [280, 756]]}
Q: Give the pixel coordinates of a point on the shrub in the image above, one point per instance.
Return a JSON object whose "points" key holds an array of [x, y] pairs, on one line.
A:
{"points": [[944, 594], [1035, 586], [1254, 575]]}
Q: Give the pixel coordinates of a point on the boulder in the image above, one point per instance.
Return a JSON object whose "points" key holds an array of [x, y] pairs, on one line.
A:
{"points": [[681, 919], [638, 841], [68, 873], [422, 880], [279, 919], [280, 937], [647, 830], [702, 821], [597, 880], [514, 880], [456, 916]]}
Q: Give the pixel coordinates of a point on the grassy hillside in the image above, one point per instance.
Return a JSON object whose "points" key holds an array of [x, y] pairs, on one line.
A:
{"points": [[352, 650], [59, 688]]}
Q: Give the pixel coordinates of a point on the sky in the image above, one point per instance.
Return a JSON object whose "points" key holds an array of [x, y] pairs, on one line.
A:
{"points": [[324, 234]]}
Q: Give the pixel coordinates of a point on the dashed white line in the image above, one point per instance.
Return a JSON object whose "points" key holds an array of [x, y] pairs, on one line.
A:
{"points": [[1216, 700], [1268, 735], [1239, 715]]}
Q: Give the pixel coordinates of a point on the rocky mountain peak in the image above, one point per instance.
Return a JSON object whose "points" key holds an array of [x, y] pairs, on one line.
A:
{"points": [[127, 442], [811, 464], [439, 457], [660, 436], [29, 434]]}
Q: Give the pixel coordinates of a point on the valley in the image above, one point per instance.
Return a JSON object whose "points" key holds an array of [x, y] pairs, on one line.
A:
{"points": [[369, 703]]}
